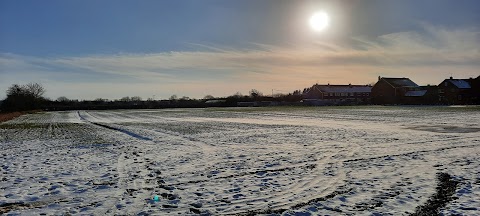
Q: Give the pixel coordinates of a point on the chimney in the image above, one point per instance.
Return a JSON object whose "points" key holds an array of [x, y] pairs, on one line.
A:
{"points": [[451, 77], [379, 77]]}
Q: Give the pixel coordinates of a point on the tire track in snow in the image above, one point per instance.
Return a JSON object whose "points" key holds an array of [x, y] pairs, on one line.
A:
{"points": [[410, 153], [281, 197], [312, 181], [123, 131], [309, 184], [131, 196], [135, 190], [305, 166], [298, 190], [270, 210], [132, 182], [127, 132], [209, 149]]}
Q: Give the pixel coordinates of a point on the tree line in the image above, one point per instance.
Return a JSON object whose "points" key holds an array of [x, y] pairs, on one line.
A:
{"points": [[31, 97]]}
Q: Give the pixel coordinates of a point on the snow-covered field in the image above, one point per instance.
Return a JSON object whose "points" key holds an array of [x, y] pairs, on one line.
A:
{"points": [[244, 161]]}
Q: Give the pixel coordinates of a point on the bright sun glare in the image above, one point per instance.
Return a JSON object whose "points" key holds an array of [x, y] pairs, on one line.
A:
{"points": [[319, 21]]}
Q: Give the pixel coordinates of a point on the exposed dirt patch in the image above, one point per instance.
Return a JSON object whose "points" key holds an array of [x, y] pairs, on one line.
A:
{"points": [[444, 193], [9, 116], [6, 207]]}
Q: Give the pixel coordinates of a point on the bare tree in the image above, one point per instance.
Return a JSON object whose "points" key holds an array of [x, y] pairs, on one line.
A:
{"points": [[184, 98], [237, 95], [35, 89], [255, 93], [100, 100], [15, 89], [173, 97], [136, 98], [208, 97], [125, 99], [63, 99]]}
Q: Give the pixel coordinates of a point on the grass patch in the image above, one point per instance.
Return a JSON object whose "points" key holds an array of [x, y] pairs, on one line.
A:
{"points": [[182, 128], [24, 126]]}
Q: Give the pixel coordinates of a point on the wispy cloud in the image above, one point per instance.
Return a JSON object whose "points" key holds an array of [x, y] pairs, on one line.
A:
{"points": [[434, 52]]}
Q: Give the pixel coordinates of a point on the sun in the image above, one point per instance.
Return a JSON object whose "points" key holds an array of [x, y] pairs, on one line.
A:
{"points": [[319, 21]]}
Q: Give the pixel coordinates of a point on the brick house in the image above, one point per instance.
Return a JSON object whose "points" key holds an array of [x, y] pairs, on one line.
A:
{"points": [[339, 94], [397, 91], [459, 91]]}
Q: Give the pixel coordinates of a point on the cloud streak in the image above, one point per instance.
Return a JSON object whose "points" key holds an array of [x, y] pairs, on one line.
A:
{"points": [[433, 52]]}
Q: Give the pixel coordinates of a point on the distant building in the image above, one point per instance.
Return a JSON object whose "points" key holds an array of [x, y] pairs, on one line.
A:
{"points": [[215, 103], [338, 94], [247, 104], [431, 96], [475, 83], [459, 91], [397, 91]]}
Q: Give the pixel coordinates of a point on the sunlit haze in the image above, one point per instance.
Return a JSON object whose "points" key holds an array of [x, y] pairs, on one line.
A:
{"points": [[319, 21], [111, 49]]}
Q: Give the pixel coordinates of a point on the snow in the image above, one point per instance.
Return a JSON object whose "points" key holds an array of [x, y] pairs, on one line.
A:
{"points": [[292, 161]]}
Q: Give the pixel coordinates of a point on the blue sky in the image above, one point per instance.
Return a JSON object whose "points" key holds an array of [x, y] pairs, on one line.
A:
{"points": [[110, 49]]}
